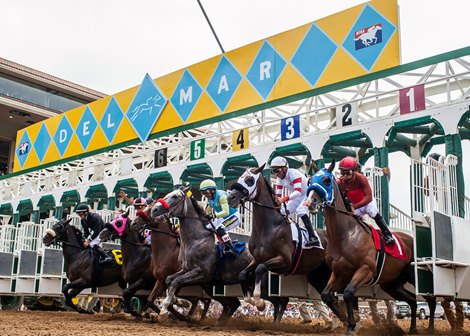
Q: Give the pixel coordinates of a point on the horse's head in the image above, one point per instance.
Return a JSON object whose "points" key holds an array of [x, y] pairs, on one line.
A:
{"points": [[322, 185], [115, 228], [246, 187], [173, 204], [142, 220], [57, 233]]}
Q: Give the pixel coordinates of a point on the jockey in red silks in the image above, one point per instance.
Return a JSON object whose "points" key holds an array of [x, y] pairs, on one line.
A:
{"points": [[296, 182], [357, 189]]}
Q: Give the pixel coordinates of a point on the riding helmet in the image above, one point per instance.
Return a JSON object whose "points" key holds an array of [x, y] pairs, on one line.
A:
{"points": [[207, 184], [140, 201], [82, 208], [279, 162], [348, 163]]}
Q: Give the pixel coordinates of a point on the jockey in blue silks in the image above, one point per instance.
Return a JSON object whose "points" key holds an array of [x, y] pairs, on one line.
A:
{"points": [[225, 217]]}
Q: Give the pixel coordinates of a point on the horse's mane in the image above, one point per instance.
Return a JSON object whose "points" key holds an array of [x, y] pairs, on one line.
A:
{"points": [[78, 233], [197, 207], [271, 190]]}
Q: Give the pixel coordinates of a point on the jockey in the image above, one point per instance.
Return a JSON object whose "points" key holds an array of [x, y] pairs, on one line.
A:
{"points": [[140, 203], [94, 222], [225, 217], [296, 183], [357, 189]]}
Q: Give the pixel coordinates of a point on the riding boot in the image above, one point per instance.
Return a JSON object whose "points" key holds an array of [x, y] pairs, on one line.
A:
{"points": [[313, 240], [103, 256], [229, 250], [389, 239]]}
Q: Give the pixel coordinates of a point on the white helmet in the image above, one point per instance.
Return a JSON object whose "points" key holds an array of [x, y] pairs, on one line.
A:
{"points": [[278, 162]]}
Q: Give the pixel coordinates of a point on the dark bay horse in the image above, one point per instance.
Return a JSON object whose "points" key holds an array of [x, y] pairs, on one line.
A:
{"points": [[82, 269], [165, 248], [351, 253], [136, 258], [271, 239], [201, 263]]}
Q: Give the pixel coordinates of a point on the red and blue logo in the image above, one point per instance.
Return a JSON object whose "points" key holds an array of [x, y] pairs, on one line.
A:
{"points": [[368, 36]]}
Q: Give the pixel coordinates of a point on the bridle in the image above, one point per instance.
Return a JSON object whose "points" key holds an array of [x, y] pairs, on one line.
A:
{"points": [[146, 226], [247, 185], [60, 237]]}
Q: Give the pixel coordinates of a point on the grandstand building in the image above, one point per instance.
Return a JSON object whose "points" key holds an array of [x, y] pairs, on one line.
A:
{"points": [[28, 96]]}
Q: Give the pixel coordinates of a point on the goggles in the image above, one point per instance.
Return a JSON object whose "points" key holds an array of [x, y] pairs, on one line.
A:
{"points": [[276, 170], [345, 172]]}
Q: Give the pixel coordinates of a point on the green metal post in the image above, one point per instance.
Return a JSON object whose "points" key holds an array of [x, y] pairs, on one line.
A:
{"points": [[35, 216], [454, 147], [111, 203], [58, 212]]}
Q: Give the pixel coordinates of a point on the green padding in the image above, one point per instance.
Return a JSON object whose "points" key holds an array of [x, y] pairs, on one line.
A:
{"points": [[197, 173], [46, 203], [96, 192], [129, 186], [290, 151], [412, 122], [25, 207], [6, 209], [234, 167], [338, 138], [425, 282], [160, 182], [70, 197], [423, 242], [275, 282]]}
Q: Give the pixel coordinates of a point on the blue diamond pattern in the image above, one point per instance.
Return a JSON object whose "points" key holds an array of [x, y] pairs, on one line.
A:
{"points": [[42, 142], [24, 148], [223, 83], [368, 56], [146, 107], [314, 54], [266, 70], [86, 128], [186, 95], [111, 120], [63, 135]]}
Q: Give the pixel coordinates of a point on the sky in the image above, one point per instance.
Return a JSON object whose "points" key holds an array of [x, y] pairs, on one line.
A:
{"points": [[109, 45]]}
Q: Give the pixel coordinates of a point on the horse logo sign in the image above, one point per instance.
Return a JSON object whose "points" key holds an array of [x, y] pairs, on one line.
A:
{"points": [[24, 148], [369, 36]]}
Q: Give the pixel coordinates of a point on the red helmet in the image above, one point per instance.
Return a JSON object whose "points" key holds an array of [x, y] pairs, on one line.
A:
{"points": [[348, 163]]}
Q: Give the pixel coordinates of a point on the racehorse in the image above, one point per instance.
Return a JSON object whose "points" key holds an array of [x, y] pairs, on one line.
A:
{"points": [[351, 253], [271, 241], [165, 249], [136, 258], [82, 267], [201, 260]]}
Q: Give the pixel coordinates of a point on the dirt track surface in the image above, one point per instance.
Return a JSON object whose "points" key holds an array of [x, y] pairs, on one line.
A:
{"points": [[36, 323]]}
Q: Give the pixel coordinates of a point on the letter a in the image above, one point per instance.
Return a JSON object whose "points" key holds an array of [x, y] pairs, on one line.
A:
{"points": [[223, 85]]}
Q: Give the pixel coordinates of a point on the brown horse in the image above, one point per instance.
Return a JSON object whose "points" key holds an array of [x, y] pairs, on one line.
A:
{"points": [[165, 249], [351, 253], [271, 239]]}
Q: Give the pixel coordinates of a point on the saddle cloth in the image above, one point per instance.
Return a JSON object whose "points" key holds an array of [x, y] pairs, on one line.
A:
{"points": [[395, 250], [238, 245], [303, 231]]}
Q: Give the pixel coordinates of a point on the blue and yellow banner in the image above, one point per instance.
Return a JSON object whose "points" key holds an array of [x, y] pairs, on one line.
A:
{"points": [[346, 45]]}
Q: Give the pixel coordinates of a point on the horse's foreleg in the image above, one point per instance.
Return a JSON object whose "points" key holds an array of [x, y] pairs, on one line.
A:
{"points": [[260, 271], [169, 279], [71, 290], [243, 279], [129, 293], [156, 292], [431, 300], [194, 276]]}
